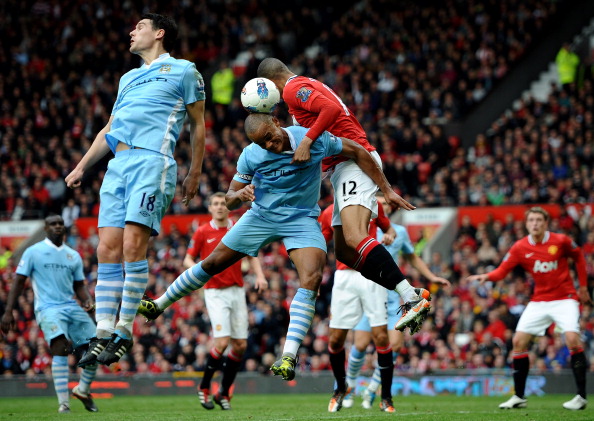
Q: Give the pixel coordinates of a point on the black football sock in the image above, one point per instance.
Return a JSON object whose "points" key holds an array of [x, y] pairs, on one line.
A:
{"points": [[337, 361], [232, 366], [521, 367], [213, 362], [385, 363], [376, 264], [579, 366]]}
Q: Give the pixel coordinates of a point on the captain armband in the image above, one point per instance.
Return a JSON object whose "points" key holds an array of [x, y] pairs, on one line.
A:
{"points": [[245, 177]]}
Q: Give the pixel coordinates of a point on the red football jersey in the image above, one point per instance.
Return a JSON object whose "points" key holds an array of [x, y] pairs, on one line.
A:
{"points": [[548, 265], [203, 242], [314, 105], [325, 220]]}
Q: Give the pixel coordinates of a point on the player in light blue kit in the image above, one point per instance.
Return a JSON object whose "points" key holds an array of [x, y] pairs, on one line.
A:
{"points": [[285, 207], [400, 245], [152, 104], [56, 272]]}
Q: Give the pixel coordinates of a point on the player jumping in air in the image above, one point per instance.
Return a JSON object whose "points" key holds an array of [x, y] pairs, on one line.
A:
{"points": [[284, 207], [314, 105], [152, 103]]}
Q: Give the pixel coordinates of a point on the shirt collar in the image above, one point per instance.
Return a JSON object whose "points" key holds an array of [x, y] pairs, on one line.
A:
{"points": [[162, 57], [214, 225], [49, 243], [292, 141], [544, 239]]}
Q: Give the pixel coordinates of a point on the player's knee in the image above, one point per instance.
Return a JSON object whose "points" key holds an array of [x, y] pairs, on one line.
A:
{"points": [[134, 250], [381, 339], [335, 342], [239, 347], [59, 346], [312, 280], [109, 252]]}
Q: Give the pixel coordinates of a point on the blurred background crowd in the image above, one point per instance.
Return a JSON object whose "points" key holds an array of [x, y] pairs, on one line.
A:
{"points": [[404, 68]]}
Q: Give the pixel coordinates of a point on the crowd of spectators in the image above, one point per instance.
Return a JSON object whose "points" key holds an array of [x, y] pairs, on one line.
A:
{"points": [[404, 68]]}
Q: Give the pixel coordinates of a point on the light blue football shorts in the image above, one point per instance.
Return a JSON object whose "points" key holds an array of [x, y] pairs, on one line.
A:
{"points": [[138, 187], [394, 313], [252, 232], [69, 320]]}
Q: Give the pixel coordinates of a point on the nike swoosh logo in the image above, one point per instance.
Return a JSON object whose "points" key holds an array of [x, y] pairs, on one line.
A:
{"points": [[529, 255], [210, 240]]}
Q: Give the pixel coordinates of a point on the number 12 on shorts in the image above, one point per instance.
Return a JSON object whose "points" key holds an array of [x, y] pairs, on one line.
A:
{"points": [[349, 187]]}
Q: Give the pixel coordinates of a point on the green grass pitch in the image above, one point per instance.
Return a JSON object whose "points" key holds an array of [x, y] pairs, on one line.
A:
{"points": [[292, 408]]}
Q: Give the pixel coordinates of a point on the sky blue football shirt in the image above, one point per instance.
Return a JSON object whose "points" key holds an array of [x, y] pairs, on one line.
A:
{"points": [[150, 109], [285, 191], [52, 271]]}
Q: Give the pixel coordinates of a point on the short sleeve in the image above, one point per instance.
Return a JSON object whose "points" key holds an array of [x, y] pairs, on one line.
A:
{"points": [[192, 85], [332, 144], [25, 266], [78, 272], [244, 173]]}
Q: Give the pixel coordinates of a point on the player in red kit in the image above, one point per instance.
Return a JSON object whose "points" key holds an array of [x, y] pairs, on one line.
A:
{"points": [[545, 256], [352, 297], [317, 107], [225, 301]]}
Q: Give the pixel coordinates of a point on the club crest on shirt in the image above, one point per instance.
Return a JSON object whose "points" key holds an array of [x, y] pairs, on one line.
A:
{"points": [[303, 94], [553, 250], [165, 68], [69, 256]]}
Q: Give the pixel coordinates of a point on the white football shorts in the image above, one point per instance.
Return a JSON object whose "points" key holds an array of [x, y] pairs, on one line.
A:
{"points": [[354, 295], [538, 316], [353, 187], [227, 311]]}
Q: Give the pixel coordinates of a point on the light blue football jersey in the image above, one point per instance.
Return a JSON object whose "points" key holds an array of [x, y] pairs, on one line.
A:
{"points": [[150, 109], [284, 191], [401, 242], [52, 271]]}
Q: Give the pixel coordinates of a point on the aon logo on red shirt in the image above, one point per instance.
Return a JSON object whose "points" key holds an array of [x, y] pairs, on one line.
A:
{"points": [[544, 267]]}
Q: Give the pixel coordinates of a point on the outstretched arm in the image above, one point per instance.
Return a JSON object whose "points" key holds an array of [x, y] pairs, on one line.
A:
{"points": [[370, 167], [98, 150], [424, 270], [197, 143]]}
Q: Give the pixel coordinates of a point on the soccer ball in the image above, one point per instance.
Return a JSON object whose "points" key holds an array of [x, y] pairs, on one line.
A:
{"points": [[260, 95]]}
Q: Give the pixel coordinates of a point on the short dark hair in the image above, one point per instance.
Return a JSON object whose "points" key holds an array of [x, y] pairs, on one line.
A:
{"points": [[51, 217], [168, 24], [271, 67], [253, 122]]}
